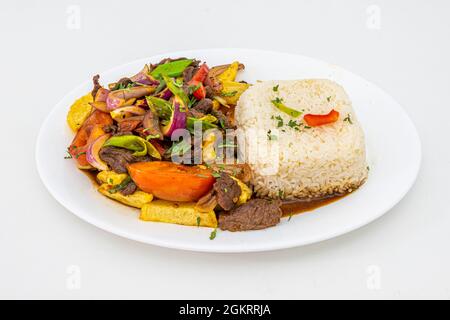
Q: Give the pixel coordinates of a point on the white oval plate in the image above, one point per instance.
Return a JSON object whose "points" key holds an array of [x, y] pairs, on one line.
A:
{"points": [[392, 141]]}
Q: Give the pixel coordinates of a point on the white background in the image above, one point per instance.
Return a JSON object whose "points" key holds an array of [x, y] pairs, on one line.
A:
{"points": [[405, 254]]}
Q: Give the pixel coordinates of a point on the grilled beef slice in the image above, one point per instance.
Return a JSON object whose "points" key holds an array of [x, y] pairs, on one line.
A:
{"points": [[227, 191], [123, 82], [204, 106], [224, 121], [118, 158], [129, 189], [242, 172], [97, 85], [200, 109], [254, 215], [189, 72]]}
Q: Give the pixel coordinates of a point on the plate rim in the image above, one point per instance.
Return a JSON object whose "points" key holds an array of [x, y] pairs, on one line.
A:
{"points": [[210, 249]]}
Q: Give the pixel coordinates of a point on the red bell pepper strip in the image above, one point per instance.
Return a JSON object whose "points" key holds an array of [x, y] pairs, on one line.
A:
{"points": [[315, 120]]}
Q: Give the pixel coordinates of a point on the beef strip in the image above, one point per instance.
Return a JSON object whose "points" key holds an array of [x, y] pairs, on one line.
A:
{"points": [[189, 72], [213, 86], [187, 89], [129, 189], [118, 158], [209, 92], [241, 171], [227, 191], [97, 85], [112, 128], [204, 106], [201, 108], [194, 113], [123, 82], [224, 121], [254, 215]]}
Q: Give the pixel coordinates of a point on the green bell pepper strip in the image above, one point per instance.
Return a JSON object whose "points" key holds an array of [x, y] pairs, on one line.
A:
{"points": [[176, 90], [208, 122], [171, 69], [162, 107], [278, 103], [137, 144], [152, 151]]}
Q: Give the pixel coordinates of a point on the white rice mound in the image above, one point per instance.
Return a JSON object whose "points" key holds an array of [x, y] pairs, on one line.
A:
{"points": [[312, 162]]}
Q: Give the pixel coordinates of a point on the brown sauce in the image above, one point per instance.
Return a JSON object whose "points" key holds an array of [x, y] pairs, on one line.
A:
{"points": [[298, 206], [92, 175]]}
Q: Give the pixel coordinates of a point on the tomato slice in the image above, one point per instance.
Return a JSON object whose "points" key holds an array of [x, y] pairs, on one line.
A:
{"points": [[200, 93], [315, 120], [201, 73], [91, 129], [197, 80], [171, 181]]}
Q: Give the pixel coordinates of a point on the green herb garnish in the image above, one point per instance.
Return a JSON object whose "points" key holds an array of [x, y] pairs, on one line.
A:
{"points": [[216, 174], [278, 100], [293, 124], [121, 185], [191, 102], [122, 86], [69, 155], [279, 121], [79, 155], [229, 94], [198, 221], [213, 234], [275, 89], [329, 99], [192, 89], [348, 119]]}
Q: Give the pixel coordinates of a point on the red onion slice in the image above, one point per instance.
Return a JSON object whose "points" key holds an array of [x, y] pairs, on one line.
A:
{"points": [[101, 95], [93, 153], [178, 118]]}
